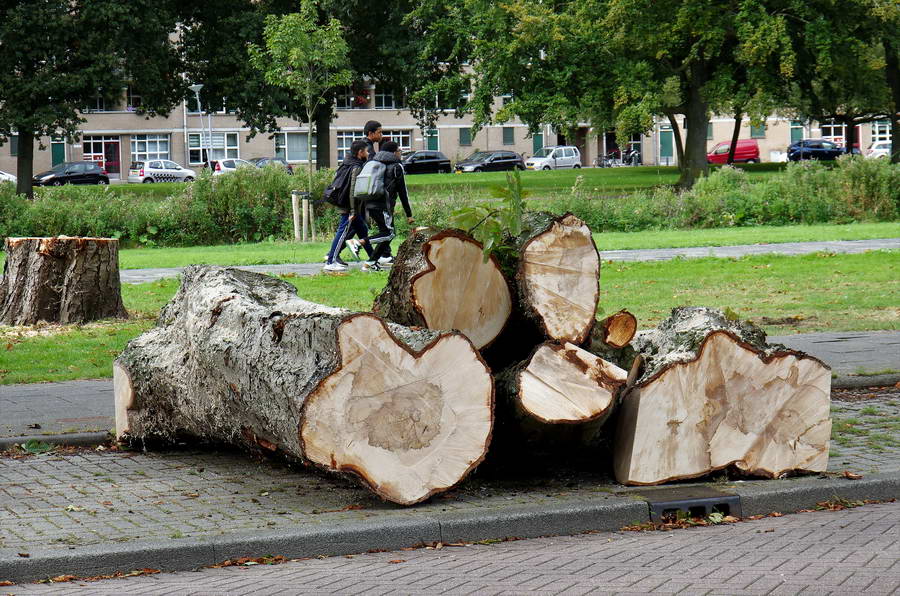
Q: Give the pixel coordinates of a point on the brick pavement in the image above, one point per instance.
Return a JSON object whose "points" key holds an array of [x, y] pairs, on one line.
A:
{"points": [[88, 498], [855, 551]]}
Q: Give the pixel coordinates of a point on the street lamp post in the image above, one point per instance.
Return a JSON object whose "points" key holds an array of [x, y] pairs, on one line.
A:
{"points": [[196, 89]]}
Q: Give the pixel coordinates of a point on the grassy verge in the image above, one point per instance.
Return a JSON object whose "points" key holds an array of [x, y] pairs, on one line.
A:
{"points": [[819, 292]]}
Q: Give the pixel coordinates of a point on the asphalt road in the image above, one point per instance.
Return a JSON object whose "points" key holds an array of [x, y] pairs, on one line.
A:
{"points": [[854, 551]]}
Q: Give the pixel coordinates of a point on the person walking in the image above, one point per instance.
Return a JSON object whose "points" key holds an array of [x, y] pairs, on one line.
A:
{"points": [[381, 209], [372, 133], [351, 209]]}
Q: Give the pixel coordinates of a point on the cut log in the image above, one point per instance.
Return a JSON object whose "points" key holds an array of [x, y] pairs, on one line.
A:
{"points": [[558, 391], [237, 357], [60, 280], [557, 278], [714, 395], [440, 281], [617, 330]]}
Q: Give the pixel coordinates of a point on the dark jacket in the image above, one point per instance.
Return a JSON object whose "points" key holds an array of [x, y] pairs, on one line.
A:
{"points": [[394, 185], [355, 205], [371, 145]]}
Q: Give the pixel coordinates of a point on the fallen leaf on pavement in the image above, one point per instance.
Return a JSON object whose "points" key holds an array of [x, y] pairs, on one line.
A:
{"points": [[851, 476], [397, 561], [24, 555], [6, 582]]}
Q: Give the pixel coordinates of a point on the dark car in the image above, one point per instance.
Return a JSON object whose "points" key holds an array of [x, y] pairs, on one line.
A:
{"points": [[72, 172], [426, 162], [491, 161], [261, 162], [814, 149]]}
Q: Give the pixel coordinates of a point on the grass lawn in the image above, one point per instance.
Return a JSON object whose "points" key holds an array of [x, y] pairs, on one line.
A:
{"points": [[819, 292]]}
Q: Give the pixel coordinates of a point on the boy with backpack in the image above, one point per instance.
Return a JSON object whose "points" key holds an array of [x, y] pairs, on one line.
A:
{"points": [[380, 207], [341, 193]]}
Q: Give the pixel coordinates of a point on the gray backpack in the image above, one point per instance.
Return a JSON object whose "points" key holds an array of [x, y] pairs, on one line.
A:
{"points": [[370, 180]]}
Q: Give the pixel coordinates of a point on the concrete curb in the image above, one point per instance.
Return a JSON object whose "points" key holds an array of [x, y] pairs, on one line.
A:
{"points": [[861, 382], [609, 512], [72, 439]]}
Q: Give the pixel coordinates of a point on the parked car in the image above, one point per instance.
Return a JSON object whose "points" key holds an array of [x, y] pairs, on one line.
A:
{"points": [[5, 177], [425, 162], [261, 162], [491, 161], [879, 149], [224, 166], [746, 151], [554, 158], [814, 149], [159, 170], [72, 172]]}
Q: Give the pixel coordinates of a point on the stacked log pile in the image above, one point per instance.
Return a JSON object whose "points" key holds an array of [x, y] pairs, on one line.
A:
{"points": [[403, 397]]}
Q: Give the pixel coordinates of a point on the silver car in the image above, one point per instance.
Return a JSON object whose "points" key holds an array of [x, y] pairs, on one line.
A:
{"points": [[159, 170]]}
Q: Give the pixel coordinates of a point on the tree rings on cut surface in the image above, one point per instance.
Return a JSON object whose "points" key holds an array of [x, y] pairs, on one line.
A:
{"points": [[767, 414], [410, 424], [558, 279]]}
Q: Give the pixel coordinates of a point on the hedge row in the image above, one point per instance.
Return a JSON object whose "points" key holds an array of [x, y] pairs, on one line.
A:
{"points": [[253, 205]]}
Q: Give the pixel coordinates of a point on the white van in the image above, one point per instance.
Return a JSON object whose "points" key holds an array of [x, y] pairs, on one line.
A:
{"points": [[554, 158]]}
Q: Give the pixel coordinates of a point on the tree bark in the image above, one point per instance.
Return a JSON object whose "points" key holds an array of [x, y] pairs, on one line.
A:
{"points": [[697, 117], [850, 137], [892, 74], [714, 395], [440, 281], [676, 133], [735, 133], [25, 163], [323, 141], [60, 280], [237, 357], [561, 393]]}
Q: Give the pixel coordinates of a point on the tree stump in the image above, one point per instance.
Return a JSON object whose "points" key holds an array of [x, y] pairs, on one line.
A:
{"points": [[60, 280], [713, 395], [237, 357]]}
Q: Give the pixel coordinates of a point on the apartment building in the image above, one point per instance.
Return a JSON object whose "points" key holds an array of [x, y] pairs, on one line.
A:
{"points": [[115, 134]]}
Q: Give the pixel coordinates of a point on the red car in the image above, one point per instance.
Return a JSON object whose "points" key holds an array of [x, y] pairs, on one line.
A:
{"points": [[747, 151]]}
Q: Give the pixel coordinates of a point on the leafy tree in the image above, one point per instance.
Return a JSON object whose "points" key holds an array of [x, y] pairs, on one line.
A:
{"points": [[305, 58], [58, 55]]}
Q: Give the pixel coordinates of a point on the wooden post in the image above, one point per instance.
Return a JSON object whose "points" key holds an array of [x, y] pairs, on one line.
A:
{"points": [[305, 201], [295, 210]]}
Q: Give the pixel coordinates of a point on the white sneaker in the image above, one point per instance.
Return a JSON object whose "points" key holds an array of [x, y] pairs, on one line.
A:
{"points": [[371, 266], [386, 261], [335, 267], [354, 245]]}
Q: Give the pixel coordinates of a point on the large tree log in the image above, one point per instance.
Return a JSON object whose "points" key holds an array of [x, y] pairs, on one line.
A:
{"points": [[560, 392], [60, 280], [237, 357], [558, 275], [440, 281], [611, 339], [713, 394]]}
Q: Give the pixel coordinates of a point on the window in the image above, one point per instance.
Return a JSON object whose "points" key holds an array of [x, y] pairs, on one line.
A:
{"points": [[14, 145], [881, 130], [401, 137], [134, 101], [709, 131], [758, 132], [146, 147], [796, 131], [345, 138], [384, 99], [465, 136], [224, 144], [292, 146], [509, 135], [344, 99], [97, 104], [506, 99]]}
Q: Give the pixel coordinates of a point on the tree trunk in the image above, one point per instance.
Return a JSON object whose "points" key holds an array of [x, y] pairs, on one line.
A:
{"points": [[60, 280], [892, 74], [440, 281], [712, 395], [323, 141], [735, 133], [676, 133], [561, 393], [557, 278], [237, 357], [25, 163], [697, 117], [850, 137]]}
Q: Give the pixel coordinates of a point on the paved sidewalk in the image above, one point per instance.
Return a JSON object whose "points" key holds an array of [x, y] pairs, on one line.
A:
{"points": [[138, 276], [855, 551]]}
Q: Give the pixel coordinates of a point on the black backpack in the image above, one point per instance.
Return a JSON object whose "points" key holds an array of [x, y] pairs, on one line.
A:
{"points": [[338, 192]]}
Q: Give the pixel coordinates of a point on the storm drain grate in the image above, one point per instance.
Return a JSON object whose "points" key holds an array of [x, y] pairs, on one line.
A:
{"points": [[694, 501]]}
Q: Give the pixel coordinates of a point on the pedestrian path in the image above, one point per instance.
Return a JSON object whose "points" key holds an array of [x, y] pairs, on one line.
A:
{"points": [[139, 276]]}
